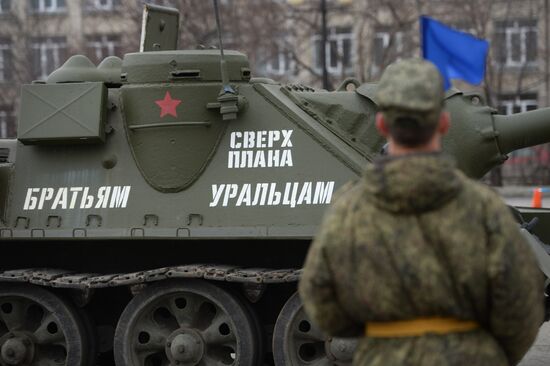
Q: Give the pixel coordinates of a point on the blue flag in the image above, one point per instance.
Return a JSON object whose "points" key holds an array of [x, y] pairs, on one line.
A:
{"points": [[456, 54]]}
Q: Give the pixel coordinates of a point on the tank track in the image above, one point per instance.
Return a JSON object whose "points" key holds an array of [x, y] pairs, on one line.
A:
{"points": [[57, 278], [98, 325]]}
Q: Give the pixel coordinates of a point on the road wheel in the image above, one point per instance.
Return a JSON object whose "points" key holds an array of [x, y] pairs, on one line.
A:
{"points": [[39, 328], [297, 341], [185, 323]]}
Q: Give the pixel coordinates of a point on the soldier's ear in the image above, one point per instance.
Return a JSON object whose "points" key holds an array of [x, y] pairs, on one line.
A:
{"points": [[444, 123], [381, 125]]}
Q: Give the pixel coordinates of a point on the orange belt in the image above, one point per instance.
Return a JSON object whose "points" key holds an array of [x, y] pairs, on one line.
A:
{"points": [[418, 327]]}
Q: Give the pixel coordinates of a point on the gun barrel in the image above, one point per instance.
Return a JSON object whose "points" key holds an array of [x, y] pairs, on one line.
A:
{"points": [[523, 129]]}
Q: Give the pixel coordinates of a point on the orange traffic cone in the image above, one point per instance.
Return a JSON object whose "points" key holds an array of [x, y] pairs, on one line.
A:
{"points": [[537, 198]]}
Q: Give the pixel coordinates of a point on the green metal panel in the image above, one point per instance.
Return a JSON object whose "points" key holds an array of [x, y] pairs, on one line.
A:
{"points": [[62, 113], [6, 171], [348, 115], [160, 28], [183, 66], [171, 133], [247, 190]]}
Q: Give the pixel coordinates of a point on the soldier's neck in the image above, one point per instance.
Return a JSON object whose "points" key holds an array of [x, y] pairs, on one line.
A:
{"points": [[395, 149]]}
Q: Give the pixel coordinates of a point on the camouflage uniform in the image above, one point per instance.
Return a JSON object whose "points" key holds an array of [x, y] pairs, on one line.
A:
{"points": [[416, 238]]}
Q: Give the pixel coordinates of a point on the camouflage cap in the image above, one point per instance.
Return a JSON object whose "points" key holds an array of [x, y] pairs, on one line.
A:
{"points": [[412, 87]]}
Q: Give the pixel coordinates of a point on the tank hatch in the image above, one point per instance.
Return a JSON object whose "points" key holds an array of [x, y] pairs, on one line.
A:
{"points": [[189, 65]]}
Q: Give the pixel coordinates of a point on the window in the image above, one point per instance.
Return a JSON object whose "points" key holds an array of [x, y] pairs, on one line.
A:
{"points": [[6, 66], [387, 48], [7, 127], [339, 51], [101, 46], [5, 6], [516, 42], [48, 54], [48, 6], [280, 60], [509, 104], [102, 5]]}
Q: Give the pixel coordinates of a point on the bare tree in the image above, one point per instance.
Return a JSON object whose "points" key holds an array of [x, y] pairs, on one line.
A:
{"points": [[21, 28], [512, 69]]}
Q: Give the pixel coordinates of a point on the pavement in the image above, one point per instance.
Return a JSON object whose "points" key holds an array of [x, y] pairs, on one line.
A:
{"points": [[521, 196], [539, 354]]}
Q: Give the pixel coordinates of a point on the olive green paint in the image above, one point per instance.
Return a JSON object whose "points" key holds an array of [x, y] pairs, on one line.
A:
{"points": [[62, 113], [171, 151], [183, 66], [161, 28], [174, 163], [159, 136]]}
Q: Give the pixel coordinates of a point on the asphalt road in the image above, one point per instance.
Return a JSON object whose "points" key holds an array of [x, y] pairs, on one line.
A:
{"points": [[539, 354], [525, 201]]}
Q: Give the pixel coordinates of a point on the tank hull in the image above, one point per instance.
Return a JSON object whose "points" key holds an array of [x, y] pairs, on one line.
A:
{"points": [[168, 215]]}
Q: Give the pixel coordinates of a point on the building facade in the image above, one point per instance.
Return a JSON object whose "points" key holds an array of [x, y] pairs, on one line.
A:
{"points": [[37, 36], [283, 39]]}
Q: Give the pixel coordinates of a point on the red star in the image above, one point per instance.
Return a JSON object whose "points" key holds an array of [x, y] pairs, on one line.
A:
{"points": [[168, 105]]}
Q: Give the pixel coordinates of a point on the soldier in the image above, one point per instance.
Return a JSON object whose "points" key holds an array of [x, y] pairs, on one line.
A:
{"points": [[429, 265]]}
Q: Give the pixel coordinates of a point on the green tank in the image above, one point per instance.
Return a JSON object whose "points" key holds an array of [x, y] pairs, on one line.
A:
{"points": [[156, 210]]}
